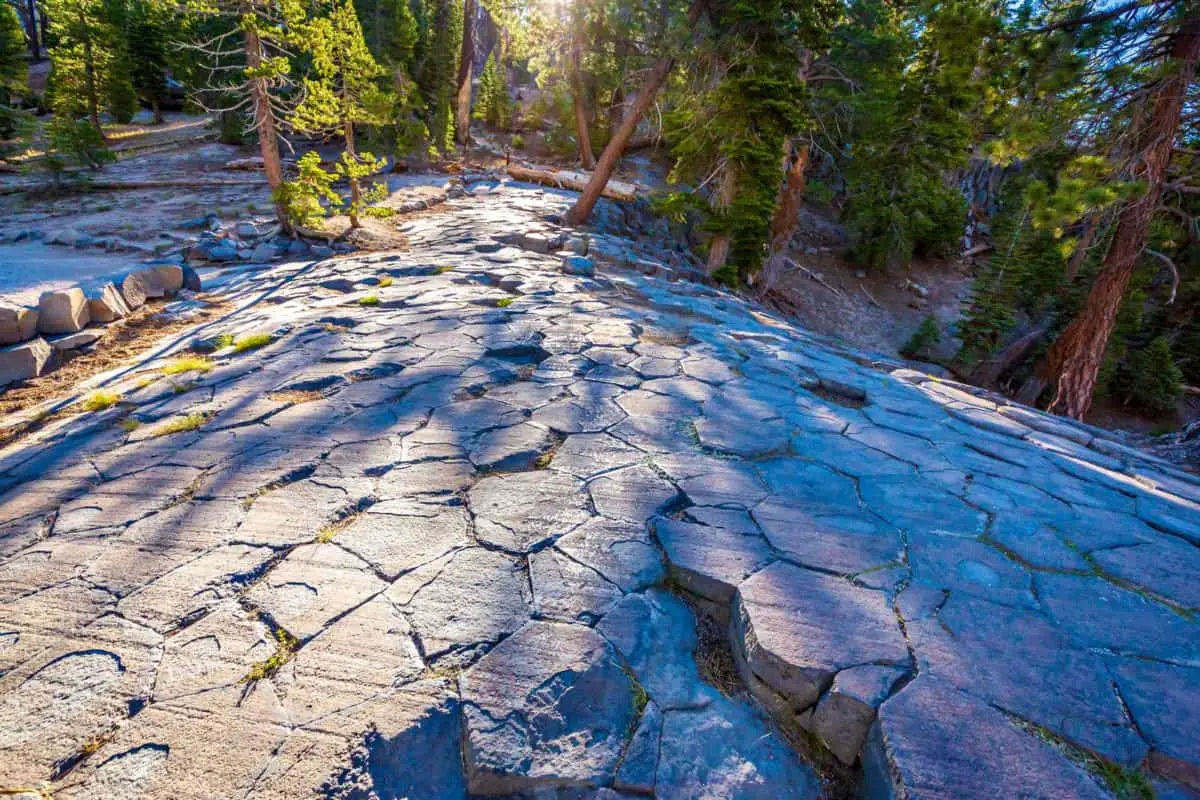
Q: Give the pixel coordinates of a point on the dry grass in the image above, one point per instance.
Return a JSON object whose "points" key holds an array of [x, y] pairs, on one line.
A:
{"points": [[100, 400], [187, 363], [252, 341], [181, 424]]}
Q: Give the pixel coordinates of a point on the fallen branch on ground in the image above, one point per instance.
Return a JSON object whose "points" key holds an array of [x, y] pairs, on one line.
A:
{"points": [[575, 181], [793, 266]]}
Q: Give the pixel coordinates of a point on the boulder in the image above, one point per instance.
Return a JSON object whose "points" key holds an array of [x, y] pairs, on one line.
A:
{"points": [[578, 265], [134, 291], [151, 282], [191, 279], [63, 311], [246, 230], [264, 252], [222, 252], [17, 323], [23, 361], [74, 341], [108, 305], [170, 275]]}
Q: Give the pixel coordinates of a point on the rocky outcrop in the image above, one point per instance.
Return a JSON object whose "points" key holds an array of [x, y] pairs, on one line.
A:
{"points": [[20, 362], [63, 311], [17, 323]]}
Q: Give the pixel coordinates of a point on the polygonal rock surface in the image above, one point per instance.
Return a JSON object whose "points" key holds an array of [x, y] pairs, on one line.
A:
{"points": [[65, 311], [710, 561], [622, 552], [513, 449], [722, 751], [549, 707], [932, 741], [310, 587], [1163, 700], [843, 543], [568, 590], [395, 538], [796, 629], [523, 511]]}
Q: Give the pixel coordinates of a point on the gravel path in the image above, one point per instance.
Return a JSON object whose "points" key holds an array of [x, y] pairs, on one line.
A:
{"points": [[448, 537]]}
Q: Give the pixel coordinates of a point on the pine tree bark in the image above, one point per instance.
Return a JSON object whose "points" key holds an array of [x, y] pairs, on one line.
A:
{"points": [[718, 248], [787, 213], [466, 65], [156, 109], [1075, 357], [35, 46], [611, 157], [355, 189], [264, 123], [583, 134]]}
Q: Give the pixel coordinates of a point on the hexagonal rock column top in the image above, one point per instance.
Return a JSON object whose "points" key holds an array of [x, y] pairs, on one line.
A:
{"points": [[549, 707], [932, 742], [63, 312], [795, 629], [523, 511]]}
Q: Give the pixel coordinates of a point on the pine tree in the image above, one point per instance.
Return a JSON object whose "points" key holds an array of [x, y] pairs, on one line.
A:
{"points": [[341, 92], [494, 105], [147, 34], [81, 57], [439, 73], [13, 75]]}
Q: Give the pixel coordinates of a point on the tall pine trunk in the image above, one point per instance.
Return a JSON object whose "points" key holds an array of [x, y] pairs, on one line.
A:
{"points": [[264, 123], [583, 135], [611, 157], [718, 248], [787, 213], [35, 46], [462, 108], [355, 189], [1075, 357]]}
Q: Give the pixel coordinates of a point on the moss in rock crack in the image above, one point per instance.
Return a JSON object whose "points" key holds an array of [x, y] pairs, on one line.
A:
{"points": [[181, 424], [641, 698], [1123, 782], [369, 300], [285, 647], [187, 364], [252, 341], [386, 281], [504, 302], [100, 400]]}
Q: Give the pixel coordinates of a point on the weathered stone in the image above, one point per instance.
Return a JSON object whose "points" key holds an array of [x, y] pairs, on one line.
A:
{"points": [[622, 552], [17, 323], [656, 634], [567, 590], [1163, 699], [312, 586], [20, 362], [844, 714], [463, 602], [634, 493], [170, 276], [932, 741], [796, 629], [191, 279], [843, 543], [75, 341], [578, 265], [971, 567], [549, 707], [513, 449], [708, 561], [64, 311], [522, 512], [640, 763], [109, 305], [397, 537], [134, 290], [151, 282], [1167, 567], [724, 750]]}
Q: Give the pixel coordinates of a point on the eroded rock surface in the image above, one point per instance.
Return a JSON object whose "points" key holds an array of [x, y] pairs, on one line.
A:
{"points": [[450, 545]]}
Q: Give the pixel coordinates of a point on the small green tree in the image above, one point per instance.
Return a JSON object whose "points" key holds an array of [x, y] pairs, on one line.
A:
{"points": [[74, 142], [438, 76], [301, 198], [147, 35], [494, 105], [1150, 379], [341, 92], [923, 339]]}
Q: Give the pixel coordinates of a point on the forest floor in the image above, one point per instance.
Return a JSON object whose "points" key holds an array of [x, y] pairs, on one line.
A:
{"points": [[468, 524]]}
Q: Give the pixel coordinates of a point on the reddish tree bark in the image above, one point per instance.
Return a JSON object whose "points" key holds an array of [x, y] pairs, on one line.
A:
{"points": [[462, 107], [264, 122], [787, 213], [611, 157], [718, 248], [1075, 357], [583, 135]]}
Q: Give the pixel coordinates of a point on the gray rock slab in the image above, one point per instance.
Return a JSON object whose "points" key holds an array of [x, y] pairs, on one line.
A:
{"points": [[1019, 662], [918, 506], [549, 707], [634, 493], [795, 629], [1172, 514], [656, 635], [622, 552], [523, 511], [844, 714], [463, 602], [63, 311], [395, 537], [568, 590], [844, 543], [1036, 544], [20, 362], [933, 741], [1096, 613], [313, 585], [1166, 566], [971, 567], [640, 764], [513, 449], [729, 750], [707, 561], [1163, 700], [17, 323], [586, 454]]}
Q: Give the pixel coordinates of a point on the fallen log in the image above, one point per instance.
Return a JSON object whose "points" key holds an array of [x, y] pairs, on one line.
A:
{"points": [[575, 181]]}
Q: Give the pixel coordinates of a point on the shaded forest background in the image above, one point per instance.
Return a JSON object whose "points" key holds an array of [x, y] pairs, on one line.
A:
{"points": [[1053, 144]]}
